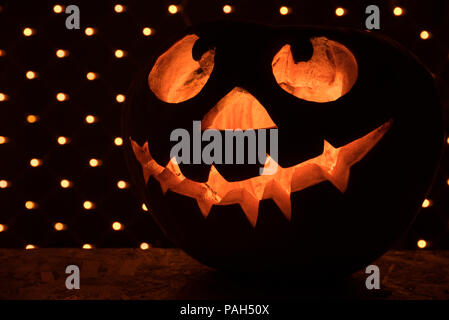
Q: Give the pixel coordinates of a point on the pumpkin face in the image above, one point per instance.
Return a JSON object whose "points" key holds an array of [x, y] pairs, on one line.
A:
{"points": [[358, 133]]}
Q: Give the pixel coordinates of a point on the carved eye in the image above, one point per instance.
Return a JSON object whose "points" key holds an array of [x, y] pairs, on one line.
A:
{"points": [[177, 76], [328, 75]]}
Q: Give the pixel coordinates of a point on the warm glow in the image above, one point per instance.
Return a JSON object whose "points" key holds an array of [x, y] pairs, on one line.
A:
{"points": [[144, 246], [326, 76], [398, 11], [120, 98], [339, 12], [144, 207], [447, 182], [424, 35], [117, 226], [57, 8], [65, 183], [91, 76], [87, 246], [61, 53], [31, 75], [284, 10], [2, 53], [89, 31], [94, 162], [147, 31], [28, 32], [4, 184], [62, 140], [3, 97], [59, 226], [3, 228], [176, 67], [421, 244], [88, 205], [35, 162], [118, 141], [172, 9], [426, 203], [122, 184], [61, 97], [227, 9], [3, 140], [447, 140], [30, 205], [119, 8], [31, 118], [90, 119], [119, 53], [30, 247]]}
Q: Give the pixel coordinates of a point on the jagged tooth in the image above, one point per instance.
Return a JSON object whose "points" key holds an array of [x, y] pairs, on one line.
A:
{"points": [[142, 153], [339, 177], [173, 166], [280, 196], [205, 206], [215, 179], [250, 207], [270, 167]]}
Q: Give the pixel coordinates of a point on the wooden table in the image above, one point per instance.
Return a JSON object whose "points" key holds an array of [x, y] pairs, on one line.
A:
{"points": [[171, 274]]}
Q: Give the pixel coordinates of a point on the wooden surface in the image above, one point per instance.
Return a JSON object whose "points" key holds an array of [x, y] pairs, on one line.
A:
{"points": [[171, 274]]}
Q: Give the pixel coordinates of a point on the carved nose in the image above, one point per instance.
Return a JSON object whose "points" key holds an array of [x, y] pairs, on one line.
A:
{"points": [[237, 110]]}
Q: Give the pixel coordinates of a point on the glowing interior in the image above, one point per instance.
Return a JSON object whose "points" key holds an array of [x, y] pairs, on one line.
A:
{"points": [[328, 75], [176, 76], [238, 110], [332, 165]]}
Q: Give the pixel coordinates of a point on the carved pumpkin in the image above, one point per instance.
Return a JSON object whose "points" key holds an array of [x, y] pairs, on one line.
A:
{"points": [[359, 134]]}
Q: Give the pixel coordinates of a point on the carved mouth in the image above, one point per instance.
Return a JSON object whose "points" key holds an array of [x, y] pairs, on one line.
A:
{"points": [[332, 165]]}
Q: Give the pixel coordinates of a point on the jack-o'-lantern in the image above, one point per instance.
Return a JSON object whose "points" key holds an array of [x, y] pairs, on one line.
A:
{"points": [[358, 131]]}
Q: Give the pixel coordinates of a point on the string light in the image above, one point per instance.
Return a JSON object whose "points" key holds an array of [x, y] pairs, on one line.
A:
{"points": [[35, 162], [2, 227], [30, 247], [60, 53], [31, 118], [119, 8], [284, 10], [4, 184], [398, 11], [3, 97], [2, 53], [122, 184], [88, 205], [120, 98], [144, 246], [59, 226], [64, 183], [62, 96], [4, 140], [118, 141], [173, 9], [63, 140], [119, 53], [447, 140], [340, 12], [31, 75], [447, 182], [421, 244], [28, 32], [426, 203], [424, 35], [57, 9], [30, 205], [144, 207], [227, 9], [89, 31], [147, 31], [94, 163], [91, 76], [87, 246], [117, 226], [90, 119]]}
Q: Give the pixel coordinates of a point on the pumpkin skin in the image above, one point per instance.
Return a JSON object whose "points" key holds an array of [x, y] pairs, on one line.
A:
{"points": [[330, 231]]}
